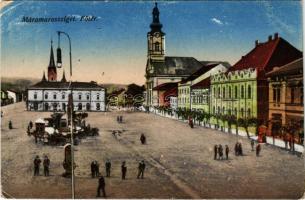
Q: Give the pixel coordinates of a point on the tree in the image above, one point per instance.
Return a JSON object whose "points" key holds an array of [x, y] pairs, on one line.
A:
{"points": [[246, 123]]}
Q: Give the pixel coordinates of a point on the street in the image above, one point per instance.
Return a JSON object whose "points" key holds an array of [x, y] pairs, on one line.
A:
{"points": [[179, 161]]}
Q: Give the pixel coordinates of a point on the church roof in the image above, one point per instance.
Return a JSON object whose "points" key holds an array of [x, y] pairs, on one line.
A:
{"points": [[61, 85], [173, 65], [265, 56]]}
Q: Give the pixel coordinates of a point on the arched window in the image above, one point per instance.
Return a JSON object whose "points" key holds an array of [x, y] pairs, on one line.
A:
{"points": [[249, 92], [63, 96], [98, 106], [54, 96], [230, 92], [88, 96], [218, 95], [242, 92], [35, 95], [80, 106], [224, 92], [79, 96], [46, 106], [98, 96], [236, 92], [46, 96], [157, 46]]}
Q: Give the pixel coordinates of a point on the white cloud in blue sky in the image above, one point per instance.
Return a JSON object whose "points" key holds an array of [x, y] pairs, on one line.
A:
{"points": [[217, 21]]}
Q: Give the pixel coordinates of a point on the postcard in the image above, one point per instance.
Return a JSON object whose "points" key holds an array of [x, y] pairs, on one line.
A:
{"points": [[152, 100]]}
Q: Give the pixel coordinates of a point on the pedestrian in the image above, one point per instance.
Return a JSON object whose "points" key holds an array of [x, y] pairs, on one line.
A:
{"points": [[227, 152], [124, 170], [258, 149], [101, 186], [143, 168], [121, 119], [10, 124], [46, 165], [240, 148], [236, 149], [118, 119], [220, 152], [108, 168], [97, 169], [215, 151], [31, 124], [143, 139], [37, 162], [252, 144], [92, 169]]}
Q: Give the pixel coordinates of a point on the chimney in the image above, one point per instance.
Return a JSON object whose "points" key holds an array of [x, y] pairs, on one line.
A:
{"points": [[256, 43], [276, 35], [269, 38]]}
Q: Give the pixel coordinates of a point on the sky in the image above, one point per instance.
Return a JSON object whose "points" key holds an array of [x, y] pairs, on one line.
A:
{"points": [[113, 49]]}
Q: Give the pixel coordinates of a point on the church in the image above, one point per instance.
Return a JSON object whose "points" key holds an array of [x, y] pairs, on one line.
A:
{"points": [[51, 94], [160, 68]]}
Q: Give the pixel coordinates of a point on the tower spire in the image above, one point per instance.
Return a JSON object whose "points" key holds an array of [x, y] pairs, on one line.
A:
{"points": [[43, 77], [156, 26], [52, 62], [63, 77]]}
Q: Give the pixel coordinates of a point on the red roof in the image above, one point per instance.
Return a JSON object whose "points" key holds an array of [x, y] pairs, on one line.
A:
{"points": [[205, 83], [171, 92], [265, 56], [166, 86]]}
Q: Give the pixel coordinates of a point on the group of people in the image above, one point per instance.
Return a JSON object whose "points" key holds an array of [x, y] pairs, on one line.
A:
{"points": [[46, 165], [95, 169], [119, 119], [218, 152], [101, 181], [238, 149]]}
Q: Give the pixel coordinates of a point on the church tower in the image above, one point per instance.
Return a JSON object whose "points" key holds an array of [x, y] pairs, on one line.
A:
{"points": [[156, 38], [52, 73]]}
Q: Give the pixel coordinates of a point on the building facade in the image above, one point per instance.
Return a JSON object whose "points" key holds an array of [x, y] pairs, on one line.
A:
{"points": [[286, 97], [160, 68], [243, 90], [53, 95]]}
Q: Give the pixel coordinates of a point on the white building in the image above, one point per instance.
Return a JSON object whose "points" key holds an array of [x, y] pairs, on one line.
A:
{"points": [[52, 95]]}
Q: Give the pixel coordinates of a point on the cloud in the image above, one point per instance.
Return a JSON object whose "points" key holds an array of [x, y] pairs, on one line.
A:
{"points": [[217, 21]]}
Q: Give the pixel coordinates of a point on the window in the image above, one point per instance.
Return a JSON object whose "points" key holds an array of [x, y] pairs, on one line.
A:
{"points": [[46, 96], [218, 109], [54, 96], [35, 95], [292, 95], [278, 95], [213, 109], [242, 92], [46, 106], [98, 97], [63, 95], [230, 92], [214, 92], [249, 92], [218, 95], [235, 111], [223, 110], [88, 96], [79, 96], [88, 106], [274, 95], [242, 112], [80, 106], [98, 106], [224, 92], [157, 46], [235, 92]]}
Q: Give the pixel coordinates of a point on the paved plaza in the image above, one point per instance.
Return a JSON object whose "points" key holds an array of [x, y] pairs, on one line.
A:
{"points": [[179, 161]]}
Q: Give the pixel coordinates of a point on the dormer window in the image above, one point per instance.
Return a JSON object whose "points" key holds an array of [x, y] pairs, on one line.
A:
{"points": [[157, 46]]}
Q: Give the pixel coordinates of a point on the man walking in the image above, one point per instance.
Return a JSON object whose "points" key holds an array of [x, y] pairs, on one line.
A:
{"points": [[37, 162], [215, 151], [108, 168], [97, 169], [92, 169], [220, 152], [141, 169], [46, 164], [124, 170], [258, 149], [227, 152], [101, 186]]}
